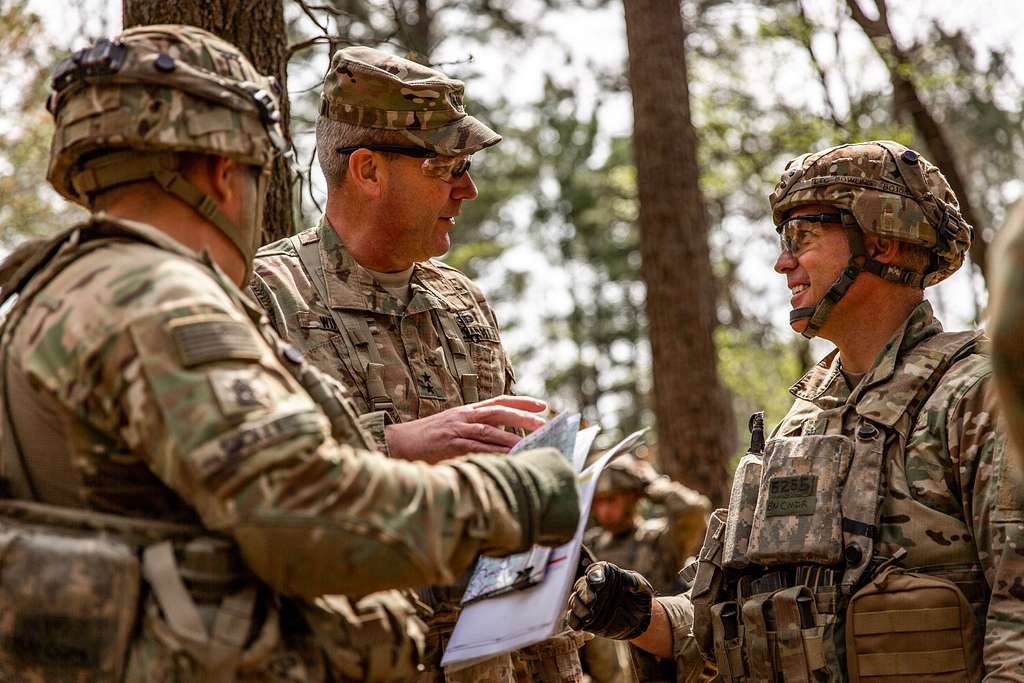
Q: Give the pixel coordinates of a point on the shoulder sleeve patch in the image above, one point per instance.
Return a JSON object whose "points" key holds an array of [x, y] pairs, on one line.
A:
{"points": [[208, 338]]}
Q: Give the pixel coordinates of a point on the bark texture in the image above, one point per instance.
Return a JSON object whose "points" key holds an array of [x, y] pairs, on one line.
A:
{"points": [[694, 416], [257, 28], [908, 102]]}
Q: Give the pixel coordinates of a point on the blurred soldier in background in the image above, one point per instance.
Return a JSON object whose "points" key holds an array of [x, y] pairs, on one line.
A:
{"points": [[656, 547], [1006, 324]]}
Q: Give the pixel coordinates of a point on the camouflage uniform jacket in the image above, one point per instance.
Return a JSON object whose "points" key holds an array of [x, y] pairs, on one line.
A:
{"points": [[659, 546], [167, 396], [440, 351], [954, 501]]}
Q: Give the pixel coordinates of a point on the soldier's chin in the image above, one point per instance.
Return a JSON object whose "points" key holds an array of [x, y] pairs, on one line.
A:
{"points": [[799, 326]]}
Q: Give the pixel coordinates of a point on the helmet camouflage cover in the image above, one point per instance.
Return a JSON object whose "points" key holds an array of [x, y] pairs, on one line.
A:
{"points": [[160, 88], [626, 473], [890, 190]]}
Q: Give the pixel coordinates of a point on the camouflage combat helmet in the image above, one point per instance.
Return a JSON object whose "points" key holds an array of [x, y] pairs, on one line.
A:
{"points": [[626, 473], [370, 88], [884, 188], [162, 90]]}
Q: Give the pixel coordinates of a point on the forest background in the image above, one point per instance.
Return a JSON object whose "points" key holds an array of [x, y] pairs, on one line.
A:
{"points": [[622, 229]]}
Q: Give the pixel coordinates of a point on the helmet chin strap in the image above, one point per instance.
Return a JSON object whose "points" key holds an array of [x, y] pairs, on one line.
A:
{"points": [[859, 262], [118, 168]]}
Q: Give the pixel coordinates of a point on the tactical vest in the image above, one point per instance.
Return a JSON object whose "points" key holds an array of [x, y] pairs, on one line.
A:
{"points": [[799, 581], [74, 582], [460, 336]]}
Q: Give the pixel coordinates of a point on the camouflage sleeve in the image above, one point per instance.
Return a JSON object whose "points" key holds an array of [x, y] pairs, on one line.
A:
{"points": [[187, 382], [689, 662], [993, 504]]}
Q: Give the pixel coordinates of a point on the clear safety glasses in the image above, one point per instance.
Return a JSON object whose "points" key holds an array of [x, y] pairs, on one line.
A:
{"points": [[447, 168]]}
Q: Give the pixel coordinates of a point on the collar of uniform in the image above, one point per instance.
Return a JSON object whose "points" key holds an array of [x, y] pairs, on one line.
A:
{"points": [[168, 243], [823, 380], [920, 325], [349, 285]]}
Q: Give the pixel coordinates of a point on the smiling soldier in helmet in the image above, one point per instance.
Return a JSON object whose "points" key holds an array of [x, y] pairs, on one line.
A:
{"points": [[878, 536], [180, 488]]}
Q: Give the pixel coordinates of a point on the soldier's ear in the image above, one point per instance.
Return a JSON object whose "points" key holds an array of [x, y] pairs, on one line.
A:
{"points": [[364, 171], [213, 175], [882, 249]]}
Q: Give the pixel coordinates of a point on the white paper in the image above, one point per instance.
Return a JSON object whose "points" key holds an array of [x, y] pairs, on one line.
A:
{"points": [[521, 618], [493, 575]]}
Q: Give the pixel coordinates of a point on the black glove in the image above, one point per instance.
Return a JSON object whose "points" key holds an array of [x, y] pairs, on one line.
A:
{"points": [[611, 602]]}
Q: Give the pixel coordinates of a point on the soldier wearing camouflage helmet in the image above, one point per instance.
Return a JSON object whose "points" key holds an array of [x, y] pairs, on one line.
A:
{"points": [[182, 490], [656, 547], [877, 535], [363, 297]]}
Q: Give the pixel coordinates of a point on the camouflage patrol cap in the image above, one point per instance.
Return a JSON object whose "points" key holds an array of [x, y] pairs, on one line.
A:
{"points": [[890, 190], [160, 88], [369, 88], [626, 473]]}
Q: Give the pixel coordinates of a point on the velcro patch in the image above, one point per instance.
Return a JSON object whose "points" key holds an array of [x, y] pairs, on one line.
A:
{"points": [[239, 392], [209, 338], [795, 495]]}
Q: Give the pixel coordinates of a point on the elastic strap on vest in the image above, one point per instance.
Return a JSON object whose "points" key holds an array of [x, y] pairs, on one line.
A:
{"points": [[728, 641], [759, 652], [219, 651], [364, 358], [119, 168], [800, 647], [458, 357]]}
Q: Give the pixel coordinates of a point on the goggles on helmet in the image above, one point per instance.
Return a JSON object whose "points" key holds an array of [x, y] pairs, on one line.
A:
{"points": [[435, 165]]}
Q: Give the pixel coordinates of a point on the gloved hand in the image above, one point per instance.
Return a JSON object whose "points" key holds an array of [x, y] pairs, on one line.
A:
{"points": [[611, 602]]}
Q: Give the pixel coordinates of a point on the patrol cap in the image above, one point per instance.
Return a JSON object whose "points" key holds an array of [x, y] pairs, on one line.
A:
{"points": [[372, 89]]}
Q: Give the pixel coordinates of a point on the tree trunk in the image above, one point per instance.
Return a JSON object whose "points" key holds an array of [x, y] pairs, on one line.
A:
{"points": [[908, 102], [694, 416], [257, 28]]}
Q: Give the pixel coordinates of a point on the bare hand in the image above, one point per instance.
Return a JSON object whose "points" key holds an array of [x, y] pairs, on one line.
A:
{"points": [[475, 428]]}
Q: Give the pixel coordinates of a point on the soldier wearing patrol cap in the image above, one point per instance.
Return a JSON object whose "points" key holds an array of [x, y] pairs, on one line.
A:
{"points": [[363, 297], [181, 490], [877, 536]]}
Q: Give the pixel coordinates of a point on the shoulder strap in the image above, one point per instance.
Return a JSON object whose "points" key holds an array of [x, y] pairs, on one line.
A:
{"points": [[353, 330], [861, 511]]}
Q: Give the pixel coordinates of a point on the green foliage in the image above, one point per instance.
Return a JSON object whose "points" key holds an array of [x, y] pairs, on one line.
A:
{"points": [[758, 374], [28, 207]]}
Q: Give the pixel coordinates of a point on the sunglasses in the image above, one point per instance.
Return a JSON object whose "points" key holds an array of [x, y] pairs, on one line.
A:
{"points": [[435, 165], [795, 232]]}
